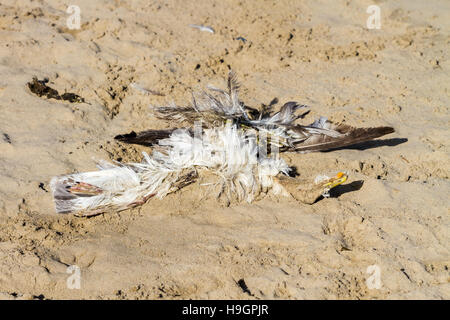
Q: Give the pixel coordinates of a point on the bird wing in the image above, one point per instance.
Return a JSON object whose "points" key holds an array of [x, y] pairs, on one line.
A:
{"points": [[324, 135], [218, 106]]}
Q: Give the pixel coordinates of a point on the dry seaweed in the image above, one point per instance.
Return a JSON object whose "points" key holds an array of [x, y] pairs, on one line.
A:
{"points": [[41, 89]]}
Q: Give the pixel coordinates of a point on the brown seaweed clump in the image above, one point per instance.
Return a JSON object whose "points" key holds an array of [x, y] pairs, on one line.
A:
{"points": [[40, 88]]}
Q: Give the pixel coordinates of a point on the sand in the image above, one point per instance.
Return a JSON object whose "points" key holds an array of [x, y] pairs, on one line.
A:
{"points": [[189, 246]]}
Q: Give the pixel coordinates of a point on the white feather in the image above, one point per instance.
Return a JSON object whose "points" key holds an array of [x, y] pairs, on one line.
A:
{"points": [[202, 28], [227, 151]]}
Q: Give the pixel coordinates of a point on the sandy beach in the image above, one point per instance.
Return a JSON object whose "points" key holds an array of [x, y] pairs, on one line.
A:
{"points": [[391, 216]]}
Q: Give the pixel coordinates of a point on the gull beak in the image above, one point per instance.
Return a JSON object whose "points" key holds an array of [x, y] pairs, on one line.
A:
{"points": [[329, 184], [340, 178]]}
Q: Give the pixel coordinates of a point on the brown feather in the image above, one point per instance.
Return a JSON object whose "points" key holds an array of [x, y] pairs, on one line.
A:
{"points": [[145, 138], [350, 136]]}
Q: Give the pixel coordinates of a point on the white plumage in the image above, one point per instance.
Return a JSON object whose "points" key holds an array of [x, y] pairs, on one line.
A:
{"points": [[227, 151]]}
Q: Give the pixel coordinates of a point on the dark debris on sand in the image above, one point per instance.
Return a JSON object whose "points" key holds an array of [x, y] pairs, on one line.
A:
{"points": [[40, 88]]}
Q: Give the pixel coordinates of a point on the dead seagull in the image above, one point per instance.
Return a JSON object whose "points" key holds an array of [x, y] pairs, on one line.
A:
{"points": [[221, 137]]}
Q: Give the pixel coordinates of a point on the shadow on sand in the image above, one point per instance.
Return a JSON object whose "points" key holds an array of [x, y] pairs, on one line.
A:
{"points": [[344, 188], [374, 144]]}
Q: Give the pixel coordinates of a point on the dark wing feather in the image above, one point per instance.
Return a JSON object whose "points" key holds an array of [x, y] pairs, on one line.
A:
{"points": [[145, 138], [348, 136]]}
